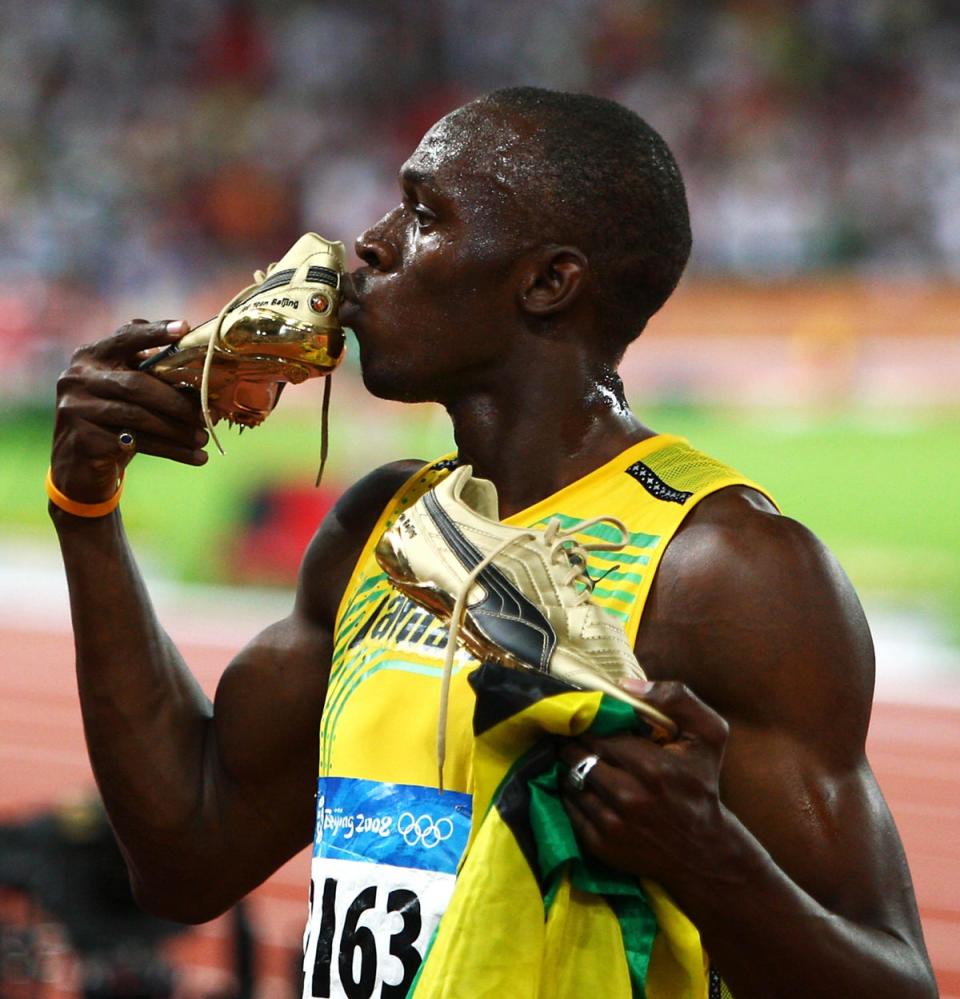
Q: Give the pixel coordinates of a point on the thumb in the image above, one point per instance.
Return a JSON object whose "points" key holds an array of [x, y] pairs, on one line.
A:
{"points": [[677, 701]]}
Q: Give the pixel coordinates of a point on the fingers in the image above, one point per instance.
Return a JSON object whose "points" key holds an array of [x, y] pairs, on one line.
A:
{"points": [[102, 444], [116, 416], [142, 390], [126, 400], [693, 718], [102, 386], [600, 775], [604, 811], [124, 346], [162, 447], [592, 819], [634, 773], [101, 395], [612, 783], [643, 807]]}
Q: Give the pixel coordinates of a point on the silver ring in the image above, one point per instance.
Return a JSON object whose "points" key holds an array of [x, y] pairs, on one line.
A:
{"points": [[127, 440], [577, 776]]}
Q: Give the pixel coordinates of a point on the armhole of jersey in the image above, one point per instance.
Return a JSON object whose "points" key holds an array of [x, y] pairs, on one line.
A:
{"points": [[374, 537], [632, 626]]}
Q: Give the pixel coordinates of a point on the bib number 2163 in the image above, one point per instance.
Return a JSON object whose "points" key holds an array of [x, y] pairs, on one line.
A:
{"points": [[383, 871], [364, 938]]}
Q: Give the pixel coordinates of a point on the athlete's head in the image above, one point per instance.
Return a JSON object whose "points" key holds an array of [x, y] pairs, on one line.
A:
{"points": [[525, 214], [599, 177]]}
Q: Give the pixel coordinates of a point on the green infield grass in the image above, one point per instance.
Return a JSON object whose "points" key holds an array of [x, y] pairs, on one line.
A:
{"points": [[880, 489]]}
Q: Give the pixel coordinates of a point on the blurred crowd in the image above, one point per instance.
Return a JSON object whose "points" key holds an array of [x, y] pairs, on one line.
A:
{"points": [[156, 151]]}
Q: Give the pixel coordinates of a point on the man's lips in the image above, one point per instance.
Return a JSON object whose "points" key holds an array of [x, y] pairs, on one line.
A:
{"points": [[350, 304], [348, 287], [348, 311]]}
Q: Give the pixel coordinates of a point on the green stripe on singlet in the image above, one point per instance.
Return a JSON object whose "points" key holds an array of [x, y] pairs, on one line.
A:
{"points": [[618, 558], [347, 635], [602, 532], [331, 710], [360, 598], [350, 663], [613, 612], [343, 673], [371, 662], [350, 671], [617, 563], [350, 625], [626, 577], [623, 595], [370, 589]]}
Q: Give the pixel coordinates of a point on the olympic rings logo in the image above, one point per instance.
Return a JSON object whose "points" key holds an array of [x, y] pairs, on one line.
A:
{"points": [[424, 831]]}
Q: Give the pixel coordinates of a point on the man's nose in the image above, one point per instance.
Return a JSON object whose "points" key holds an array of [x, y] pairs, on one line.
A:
{"points": [[375, 247]]}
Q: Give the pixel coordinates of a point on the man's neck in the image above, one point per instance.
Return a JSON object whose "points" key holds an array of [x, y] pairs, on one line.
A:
{"points": [[533, 439]]}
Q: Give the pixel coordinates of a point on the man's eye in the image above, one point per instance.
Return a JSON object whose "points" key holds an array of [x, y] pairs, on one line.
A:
{"points": [[423, 216]]}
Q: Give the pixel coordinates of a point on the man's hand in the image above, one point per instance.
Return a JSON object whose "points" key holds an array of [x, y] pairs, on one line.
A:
{"points": [[101, 393], [770, 835], [654, 810]]}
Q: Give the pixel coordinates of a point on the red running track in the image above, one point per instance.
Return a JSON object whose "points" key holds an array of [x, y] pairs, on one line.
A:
{"points": [[915, 750]]}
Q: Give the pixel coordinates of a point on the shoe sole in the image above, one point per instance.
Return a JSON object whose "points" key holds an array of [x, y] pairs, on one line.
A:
{"points": [[431, 597]]}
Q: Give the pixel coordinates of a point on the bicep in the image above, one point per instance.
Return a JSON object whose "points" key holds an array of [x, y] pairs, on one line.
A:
{"points": [[757, 617], [827, 826], [269, 701], [262, 752], [261, 755]]}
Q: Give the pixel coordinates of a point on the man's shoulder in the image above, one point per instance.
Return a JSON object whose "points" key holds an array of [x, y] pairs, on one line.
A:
{"points": [[736, 541], [752, 611], [332, 553], [360, 506]]}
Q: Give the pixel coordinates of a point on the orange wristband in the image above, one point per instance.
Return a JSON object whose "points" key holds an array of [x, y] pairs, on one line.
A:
{"points": [[82, 509]]}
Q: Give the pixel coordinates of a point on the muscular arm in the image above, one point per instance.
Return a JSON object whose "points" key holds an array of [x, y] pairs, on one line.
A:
{"points": [[187, 785], [766, 826], [206, 799]]}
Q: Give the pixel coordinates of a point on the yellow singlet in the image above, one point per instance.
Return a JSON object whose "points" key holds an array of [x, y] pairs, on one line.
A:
{"points": [[387, 842]]}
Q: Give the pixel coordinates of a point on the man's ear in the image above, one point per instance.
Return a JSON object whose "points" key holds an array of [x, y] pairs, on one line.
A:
{"points": [[552, 279]]}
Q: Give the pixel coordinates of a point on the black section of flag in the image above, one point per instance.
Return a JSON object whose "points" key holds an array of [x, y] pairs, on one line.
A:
{"points": [[502, 692], [513, 803]]}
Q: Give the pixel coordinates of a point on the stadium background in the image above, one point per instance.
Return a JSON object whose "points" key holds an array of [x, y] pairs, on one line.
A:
{"points": [[152, 155]]}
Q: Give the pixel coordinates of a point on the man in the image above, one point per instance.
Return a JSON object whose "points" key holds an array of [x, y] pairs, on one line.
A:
{"points": [[536, 234]]}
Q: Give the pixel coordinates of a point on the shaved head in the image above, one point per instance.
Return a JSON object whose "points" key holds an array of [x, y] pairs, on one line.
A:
{"points": [[584, 171]]}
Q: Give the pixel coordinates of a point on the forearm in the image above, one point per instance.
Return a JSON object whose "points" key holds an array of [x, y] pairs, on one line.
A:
{"points": [[769, 938], [205, 803], [145, 717]]}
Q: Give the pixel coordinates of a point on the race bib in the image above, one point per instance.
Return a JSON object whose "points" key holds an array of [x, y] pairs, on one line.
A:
{"points": [[384, 864]]}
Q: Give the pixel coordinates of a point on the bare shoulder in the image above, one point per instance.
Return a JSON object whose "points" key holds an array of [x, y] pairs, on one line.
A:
{"points": [[270, 699], [334, 549], [753, 612]]}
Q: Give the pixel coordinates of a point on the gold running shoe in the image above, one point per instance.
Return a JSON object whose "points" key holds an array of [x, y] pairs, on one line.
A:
{"points": [[517, 596], [282, 328]]}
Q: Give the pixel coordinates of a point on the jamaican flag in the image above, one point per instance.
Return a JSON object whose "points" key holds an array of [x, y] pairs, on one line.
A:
{"points": [[531, 916]]}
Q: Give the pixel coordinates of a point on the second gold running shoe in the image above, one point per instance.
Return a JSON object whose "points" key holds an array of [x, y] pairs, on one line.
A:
{"points": [[517, 596]]}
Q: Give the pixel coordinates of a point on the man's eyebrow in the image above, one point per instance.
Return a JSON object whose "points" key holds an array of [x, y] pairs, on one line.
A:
{"points": [[411, 175]]}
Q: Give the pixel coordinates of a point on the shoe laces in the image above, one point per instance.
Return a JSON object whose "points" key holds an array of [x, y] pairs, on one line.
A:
{"points": [[258, 278], [563, 548]]}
